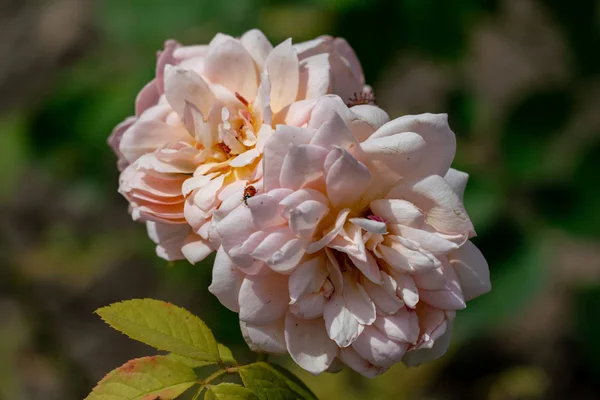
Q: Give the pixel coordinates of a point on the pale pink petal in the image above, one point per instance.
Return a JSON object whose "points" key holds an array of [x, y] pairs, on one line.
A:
{"points": [[265, 338], [369, 267], [438, 152], [308, 343], [115, 138], [182, 85], [472, 270], [443, 209], [257, 44], [265, 211], [262, 103], [206, 196], [429, 241], [147, 97], [434, 279], [341, 324], [417, 357], [305, 218], [347, 179], [343, 49], [146, 137], [384, 296], [263, 299], [309, 306], [276, 149], [196, 249], [395, 259], [397, 211], [307, 278], [351, 358], [334, 133], [315, 77], [448, 298], [457, 180], [335, 273], [345, 83], [322, 44], [235, 227], [358, 301], [403, 326], [229, 64], [282, 65], [165, 57], [246, 158], [226, 281], [333, 232], [288, 257], [303, 166], [373, 346], [300, 196], [402, 153], [370, 225], [367, 119], [169, 239], [407, 290], [187, 52], [325, 107]]}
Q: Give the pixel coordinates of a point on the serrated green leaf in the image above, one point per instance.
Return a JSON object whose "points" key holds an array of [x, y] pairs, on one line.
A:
{"points": [[228, 391], [270, 384], [294, 382], [163, 326], [146, 378], [224, 353], [190, 362]]}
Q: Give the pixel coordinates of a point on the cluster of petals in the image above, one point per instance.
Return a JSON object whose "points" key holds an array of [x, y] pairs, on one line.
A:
{"points": [[201, 124], [355, 250], [353, 247]]}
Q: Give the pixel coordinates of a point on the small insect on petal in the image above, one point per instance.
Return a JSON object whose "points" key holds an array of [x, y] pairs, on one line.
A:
{"points": [[249, 191]]}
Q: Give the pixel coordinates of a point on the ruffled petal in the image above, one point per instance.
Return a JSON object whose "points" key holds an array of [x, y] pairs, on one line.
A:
{"points": [[472, 270], [226, 281], [283, 67], [257, 45], [346, 180], [265, 338], [308, 344], [229, 64], [263, 299]]}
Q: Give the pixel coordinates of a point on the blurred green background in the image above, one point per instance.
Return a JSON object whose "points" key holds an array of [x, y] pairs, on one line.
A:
{"points": [[519, 79]]}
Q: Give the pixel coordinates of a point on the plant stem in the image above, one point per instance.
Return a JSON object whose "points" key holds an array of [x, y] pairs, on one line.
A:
{"points": [[210, 378], [264, 357]]}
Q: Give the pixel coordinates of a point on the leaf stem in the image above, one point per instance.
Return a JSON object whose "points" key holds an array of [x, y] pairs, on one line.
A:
{"points": [[210, 378]]}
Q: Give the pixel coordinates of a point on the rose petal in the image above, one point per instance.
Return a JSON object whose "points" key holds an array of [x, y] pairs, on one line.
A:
{"points": [[229, 64], [226, 281], [282, 65], [308, 344], [472, 270], [263, 299]]}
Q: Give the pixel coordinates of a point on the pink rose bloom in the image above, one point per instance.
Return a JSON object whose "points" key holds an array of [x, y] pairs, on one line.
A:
{"points": [[356, 247], [201, 125]]}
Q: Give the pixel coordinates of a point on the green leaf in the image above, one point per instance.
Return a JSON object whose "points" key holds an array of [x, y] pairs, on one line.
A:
{"points": [[224, 353], [268, 383], [163, 326], [228, 391], [146, 378], [190, 362]]}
